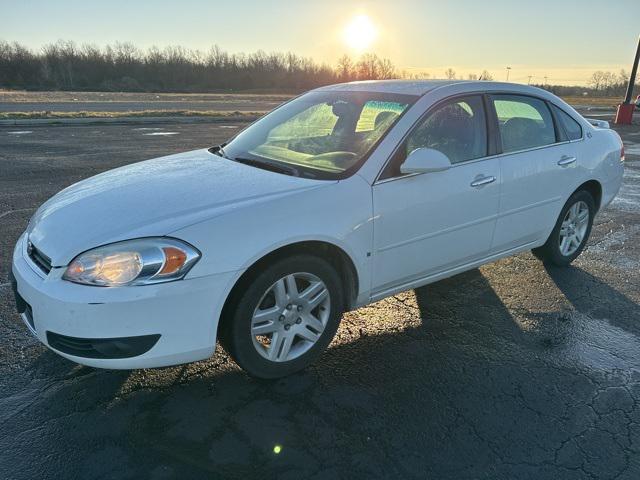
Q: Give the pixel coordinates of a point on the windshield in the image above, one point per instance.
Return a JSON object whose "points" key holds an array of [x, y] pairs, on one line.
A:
{"points": [[323, 135]]}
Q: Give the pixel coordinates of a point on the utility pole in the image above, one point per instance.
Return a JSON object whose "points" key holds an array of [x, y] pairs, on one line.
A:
{"points": [[624, 115], [508, 70], [530, 77], [545, 81]]}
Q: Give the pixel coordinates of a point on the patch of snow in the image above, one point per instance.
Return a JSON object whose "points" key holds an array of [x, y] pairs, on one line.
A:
{"points": [[160, 133], [20, 132], [632, 148], [628, 198]]}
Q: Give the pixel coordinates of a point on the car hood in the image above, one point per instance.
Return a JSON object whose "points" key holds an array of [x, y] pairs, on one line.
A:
{"points": [[151, 198]]}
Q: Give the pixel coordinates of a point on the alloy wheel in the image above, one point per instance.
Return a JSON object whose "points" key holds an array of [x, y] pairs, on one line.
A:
{"points": [[290, 317], [573, 228]]}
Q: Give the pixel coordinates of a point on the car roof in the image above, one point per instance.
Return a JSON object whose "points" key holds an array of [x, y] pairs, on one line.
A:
{"points": [[421, 87], [408, 87]]}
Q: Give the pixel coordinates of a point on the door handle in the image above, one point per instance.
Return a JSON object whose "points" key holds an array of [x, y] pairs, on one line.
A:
{"points": [[566, 160], [480, 181]]}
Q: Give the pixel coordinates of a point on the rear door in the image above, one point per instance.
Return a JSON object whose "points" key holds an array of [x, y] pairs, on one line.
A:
{"points": [[537, 165]]}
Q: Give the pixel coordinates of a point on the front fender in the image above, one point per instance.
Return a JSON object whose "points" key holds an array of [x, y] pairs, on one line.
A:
{"points": [[339, 214]]}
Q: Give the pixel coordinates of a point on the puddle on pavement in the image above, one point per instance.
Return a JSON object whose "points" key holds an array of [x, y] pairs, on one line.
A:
{"points": [[576, 338], [598, 344]]}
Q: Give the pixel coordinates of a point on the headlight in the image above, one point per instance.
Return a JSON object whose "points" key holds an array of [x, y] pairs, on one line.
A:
{"points": [[133, 262]]}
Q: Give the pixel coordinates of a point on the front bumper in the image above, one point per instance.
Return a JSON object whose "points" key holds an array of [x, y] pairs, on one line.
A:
{"points": [[170, 323]]}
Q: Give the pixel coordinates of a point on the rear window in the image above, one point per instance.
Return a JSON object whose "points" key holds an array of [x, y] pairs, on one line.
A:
{"points": [[570, 126]]}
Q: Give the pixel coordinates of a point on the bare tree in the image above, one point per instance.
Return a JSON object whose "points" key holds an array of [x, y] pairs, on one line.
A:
{"points": [[367, 67], [596, 80], [386, 70], [345, 69], [450, 73]]}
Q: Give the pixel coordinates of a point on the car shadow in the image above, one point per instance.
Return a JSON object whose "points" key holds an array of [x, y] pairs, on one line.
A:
{"points": [[457, 389]]}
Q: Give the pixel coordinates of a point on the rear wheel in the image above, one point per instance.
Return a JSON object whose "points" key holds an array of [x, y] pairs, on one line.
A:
{"points": [[285, 318], [571, 232]]}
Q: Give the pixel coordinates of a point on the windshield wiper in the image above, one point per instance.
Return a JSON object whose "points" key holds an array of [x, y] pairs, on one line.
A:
{"points": [[274, 167]]}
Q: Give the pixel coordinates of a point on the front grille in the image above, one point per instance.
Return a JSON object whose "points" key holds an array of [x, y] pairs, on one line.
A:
{"points": [[40, 259]]}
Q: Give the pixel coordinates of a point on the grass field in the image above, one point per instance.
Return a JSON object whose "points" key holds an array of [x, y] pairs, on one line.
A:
{"points": [[593, 101], [48, 97], [136, 114]]}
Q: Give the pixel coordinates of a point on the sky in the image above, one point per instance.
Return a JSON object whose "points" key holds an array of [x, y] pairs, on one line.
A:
{"points": [[563, 40]]}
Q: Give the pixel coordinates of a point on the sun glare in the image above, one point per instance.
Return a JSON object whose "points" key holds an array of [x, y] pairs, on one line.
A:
{"points": [[360, 33]]}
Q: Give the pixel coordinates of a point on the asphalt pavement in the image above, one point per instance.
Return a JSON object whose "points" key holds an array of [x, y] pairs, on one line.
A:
{"points": [[510, 371], [95, 102]]}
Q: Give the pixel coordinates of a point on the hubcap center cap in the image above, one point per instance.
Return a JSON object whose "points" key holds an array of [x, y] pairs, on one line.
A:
{"points": [[290, 315]]}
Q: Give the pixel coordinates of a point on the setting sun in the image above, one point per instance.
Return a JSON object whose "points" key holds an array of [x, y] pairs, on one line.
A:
{"points": [[360, 33]]}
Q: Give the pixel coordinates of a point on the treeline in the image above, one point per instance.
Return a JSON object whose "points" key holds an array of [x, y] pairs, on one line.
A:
{"points": [[123, 67], [600, 84]]}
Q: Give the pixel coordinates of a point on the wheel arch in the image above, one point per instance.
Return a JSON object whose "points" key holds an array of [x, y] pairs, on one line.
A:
{"points": [[594, 188], [335, 255]]}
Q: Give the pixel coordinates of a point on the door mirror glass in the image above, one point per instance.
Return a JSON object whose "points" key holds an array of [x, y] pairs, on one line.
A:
{"points": [[425, 160]]}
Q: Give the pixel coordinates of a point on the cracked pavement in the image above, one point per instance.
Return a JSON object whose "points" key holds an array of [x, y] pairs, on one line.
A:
{"points": [[512, 370]]}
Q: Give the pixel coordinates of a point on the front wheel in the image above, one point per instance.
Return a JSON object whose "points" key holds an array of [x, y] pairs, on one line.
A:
{"points": [[571, 232], [285, 318]]}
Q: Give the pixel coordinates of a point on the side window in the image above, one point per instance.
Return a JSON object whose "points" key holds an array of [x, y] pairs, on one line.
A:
{"points": [[458, 129], [571, 127], [525, 122]]}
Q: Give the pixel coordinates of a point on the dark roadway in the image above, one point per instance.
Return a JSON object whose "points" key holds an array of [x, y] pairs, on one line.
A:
{"points": [[509, 371]]}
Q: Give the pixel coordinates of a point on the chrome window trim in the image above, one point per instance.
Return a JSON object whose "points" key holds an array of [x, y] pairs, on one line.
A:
{"points": [[482, 159]]}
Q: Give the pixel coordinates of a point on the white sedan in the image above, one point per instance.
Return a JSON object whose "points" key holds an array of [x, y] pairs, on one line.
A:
{"points": [[343, 196]]}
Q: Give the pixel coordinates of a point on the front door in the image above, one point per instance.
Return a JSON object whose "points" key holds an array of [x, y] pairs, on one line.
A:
{"points": [[429, 223]]}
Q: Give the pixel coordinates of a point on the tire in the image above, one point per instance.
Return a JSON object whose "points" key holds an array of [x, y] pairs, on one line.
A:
{"points": [[554, 251], [285, 317]]}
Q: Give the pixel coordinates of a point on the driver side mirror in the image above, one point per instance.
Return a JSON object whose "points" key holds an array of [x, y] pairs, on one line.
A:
{"points": [[425, 160]]}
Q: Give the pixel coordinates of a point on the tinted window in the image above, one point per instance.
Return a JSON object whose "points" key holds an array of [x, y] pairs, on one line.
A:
{"points": [[525, 122], [458, 129], [570, 126]]}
